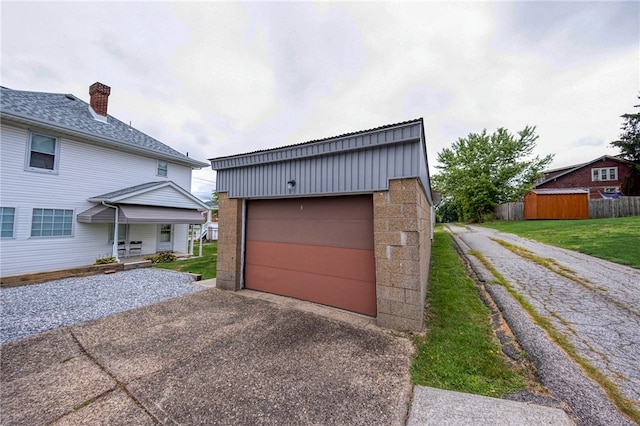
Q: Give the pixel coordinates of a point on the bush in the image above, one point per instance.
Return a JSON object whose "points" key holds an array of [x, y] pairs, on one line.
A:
{"points": [[105, 260], [164, 257]]}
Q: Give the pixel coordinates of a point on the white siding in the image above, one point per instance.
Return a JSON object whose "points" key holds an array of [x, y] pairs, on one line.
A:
{"points": [[164, 197], [84, 171]]}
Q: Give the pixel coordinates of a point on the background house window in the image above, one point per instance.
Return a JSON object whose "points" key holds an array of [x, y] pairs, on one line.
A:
{"points": [[51, 222], [613, 174], [603, 174], [43, 152], [7, 220], [162, 168], [596, 174]]}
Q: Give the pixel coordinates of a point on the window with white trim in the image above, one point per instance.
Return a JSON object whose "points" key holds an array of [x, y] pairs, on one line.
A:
{"points": [[42, 153], [163, 168], [51, 223], [7, 221], [609, 173]]}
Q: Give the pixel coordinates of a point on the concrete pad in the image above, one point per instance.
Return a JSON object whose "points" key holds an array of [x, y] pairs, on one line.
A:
{"points": [[43, 396], [285, 367], [23, 357], [115, 408], [210, 283], [441, 407], [212, 357], [302, 305]]}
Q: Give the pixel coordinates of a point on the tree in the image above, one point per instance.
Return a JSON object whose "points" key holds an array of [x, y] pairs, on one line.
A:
{"points": [[629, 142], [481, 171], [214, 202]]}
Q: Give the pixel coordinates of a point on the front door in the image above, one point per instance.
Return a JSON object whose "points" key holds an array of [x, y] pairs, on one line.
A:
{"points": [[165, 237]]}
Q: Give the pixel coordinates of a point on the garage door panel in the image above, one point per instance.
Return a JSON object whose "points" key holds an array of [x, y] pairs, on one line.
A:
{"points": [[329, 261], [330, 233], [355, 207], [352, 295], [317, 249]]}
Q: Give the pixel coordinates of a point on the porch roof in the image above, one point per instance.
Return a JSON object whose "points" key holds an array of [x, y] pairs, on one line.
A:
{"points": [[137, 214]]}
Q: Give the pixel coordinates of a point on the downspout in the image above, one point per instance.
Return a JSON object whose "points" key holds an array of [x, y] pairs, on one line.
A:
{"points": [[190, 242], [207, 225], [114, 249]]}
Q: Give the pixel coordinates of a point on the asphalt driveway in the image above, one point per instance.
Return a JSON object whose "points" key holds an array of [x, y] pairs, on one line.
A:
{"points": [[212, 357], [594, 303]]}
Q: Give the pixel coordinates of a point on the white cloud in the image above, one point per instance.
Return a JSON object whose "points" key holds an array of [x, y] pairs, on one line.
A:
{"points": [[214, 79]]}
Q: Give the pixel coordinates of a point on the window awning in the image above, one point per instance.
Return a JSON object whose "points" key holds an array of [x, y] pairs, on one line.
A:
{"points": [[136, 214]]}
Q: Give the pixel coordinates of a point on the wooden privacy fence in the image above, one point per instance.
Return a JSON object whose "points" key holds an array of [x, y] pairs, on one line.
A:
{"points": [[598, 209], [510, 211], [614, 207]]}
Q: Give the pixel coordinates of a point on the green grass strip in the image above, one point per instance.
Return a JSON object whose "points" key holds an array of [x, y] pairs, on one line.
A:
{"points": [[205, 265], [459, 351], [615, 239], [624, 404]]}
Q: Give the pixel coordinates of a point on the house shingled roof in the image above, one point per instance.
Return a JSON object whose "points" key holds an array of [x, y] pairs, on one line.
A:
{"points": [[571, 169], [68, 114]]}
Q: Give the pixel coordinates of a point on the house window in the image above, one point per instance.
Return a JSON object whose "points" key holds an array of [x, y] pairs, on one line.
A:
{"points": [[7, 220], [123, 232], [605, 174], [42, 153], [51, 223], [162, 168]]}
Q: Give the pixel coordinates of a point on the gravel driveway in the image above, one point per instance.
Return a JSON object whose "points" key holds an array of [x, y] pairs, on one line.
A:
{"points": [[32, 309], [594, 303]]}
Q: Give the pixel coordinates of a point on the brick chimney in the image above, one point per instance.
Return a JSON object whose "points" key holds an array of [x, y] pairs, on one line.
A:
{"points": [[99, 98]]}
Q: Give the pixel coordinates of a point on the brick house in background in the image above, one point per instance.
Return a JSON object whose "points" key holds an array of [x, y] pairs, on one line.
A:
{"points": [[604, 177], [344, 221]]}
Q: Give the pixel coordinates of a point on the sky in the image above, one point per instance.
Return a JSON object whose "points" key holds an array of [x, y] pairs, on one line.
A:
{"points": [[222, 78]]}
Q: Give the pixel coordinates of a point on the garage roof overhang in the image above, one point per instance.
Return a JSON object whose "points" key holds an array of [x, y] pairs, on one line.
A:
{"points": [[359, 162]]}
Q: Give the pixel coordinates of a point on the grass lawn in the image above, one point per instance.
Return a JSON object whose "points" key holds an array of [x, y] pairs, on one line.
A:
{"points": [[205, 265], [459, 351], [616, 240]]}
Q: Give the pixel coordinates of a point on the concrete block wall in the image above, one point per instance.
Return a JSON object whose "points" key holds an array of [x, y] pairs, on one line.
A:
{"points": [[402, 239], [229, 242]]}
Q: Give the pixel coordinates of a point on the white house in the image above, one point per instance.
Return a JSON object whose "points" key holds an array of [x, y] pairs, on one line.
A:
{"points": [[69, 173]]}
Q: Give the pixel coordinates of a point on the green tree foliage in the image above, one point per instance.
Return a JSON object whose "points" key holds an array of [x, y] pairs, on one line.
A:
{"points": [[629, 142], [481, 171]]}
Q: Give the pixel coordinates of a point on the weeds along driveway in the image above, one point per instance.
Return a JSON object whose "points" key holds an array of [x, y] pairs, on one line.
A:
{"points": [[211, 357], [594, 303]]}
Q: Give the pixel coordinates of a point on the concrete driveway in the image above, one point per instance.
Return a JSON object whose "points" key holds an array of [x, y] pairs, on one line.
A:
{"points": [[594, 303], [212, 357]]}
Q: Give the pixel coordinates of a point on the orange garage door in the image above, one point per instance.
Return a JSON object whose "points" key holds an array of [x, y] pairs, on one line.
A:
{"points": [[316, 249]]}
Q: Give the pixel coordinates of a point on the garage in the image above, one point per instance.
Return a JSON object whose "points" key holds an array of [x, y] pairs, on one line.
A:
{"points": [[345, 221], [316, 249]]}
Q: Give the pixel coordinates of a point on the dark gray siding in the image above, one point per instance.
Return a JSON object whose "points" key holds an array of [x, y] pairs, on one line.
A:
{"points": [[352, 164]]}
